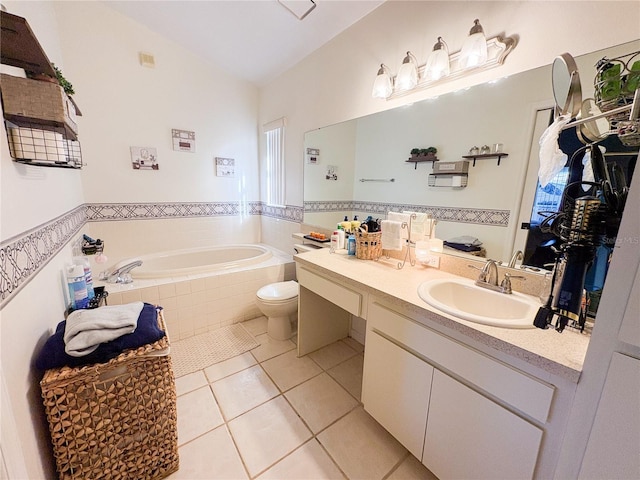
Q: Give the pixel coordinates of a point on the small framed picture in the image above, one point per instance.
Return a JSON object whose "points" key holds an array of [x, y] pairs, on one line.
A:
{"points": [[144, 158], [313, 156], [183, 140], [225, 167], [332, 172]]}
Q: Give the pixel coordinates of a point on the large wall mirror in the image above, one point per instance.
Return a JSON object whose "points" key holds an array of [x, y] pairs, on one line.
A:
{"points": [[360, 167]]}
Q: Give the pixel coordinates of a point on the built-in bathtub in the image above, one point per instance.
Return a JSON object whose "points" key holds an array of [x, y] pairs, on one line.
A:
{"points": [[195, 261], [203, 289]]}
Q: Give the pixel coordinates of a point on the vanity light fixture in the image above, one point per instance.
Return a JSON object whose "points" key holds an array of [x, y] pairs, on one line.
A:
{"points": [[476, 55], [407, 77], [474, 49], [382, 86], [438, 62]]}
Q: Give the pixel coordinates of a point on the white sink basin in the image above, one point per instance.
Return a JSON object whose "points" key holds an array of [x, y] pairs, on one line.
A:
{"points": [[463, 299]]}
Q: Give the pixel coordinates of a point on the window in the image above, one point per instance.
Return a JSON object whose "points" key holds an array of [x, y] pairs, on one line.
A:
{"points": [[275, 174]]}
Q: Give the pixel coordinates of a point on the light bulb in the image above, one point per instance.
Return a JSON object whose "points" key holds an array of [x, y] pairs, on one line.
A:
{"points": [[438, 62], [382, 87], [474, 50], [408, 74]]}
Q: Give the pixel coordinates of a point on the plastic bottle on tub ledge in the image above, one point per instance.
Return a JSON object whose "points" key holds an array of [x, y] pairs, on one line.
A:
{"points": [[88, 277], [77, 287]]}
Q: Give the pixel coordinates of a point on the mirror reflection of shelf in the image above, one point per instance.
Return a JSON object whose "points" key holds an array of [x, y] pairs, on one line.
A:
{"points": [[455, 180], [481, 156], [424, 158]]}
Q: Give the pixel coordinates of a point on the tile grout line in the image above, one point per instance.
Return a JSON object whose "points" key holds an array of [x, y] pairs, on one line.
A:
{"points": [[314, 436]]}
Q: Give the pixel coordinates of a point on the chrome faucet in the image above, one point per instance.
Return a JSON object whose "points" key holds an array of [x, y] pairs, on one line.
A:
{"points": [[489, 274], [488, 278], [517, 255], [121, 274]]}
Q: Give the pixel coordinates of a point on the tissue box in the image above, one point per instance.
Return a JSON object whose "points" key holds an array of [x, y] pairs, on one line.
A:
{"points": [[451, 167]]}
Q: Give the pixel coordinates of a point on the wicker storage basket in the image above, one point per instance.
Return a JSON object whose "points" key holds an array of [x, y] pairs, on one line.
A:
{"points": [[368, 245], [116, 420], [37, 102]]}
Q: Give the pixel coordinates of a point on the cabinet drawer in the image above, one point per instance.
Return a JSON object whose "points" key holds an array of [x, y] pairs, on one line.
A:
{"points": [[337, 294], [517, 389]]}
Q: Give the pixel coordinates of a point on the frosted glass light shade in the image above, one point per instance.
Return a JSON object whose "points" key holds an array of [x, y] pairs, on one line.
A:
{"points": [[407, 75], [474, 50], [438, 62], [382, 87]]}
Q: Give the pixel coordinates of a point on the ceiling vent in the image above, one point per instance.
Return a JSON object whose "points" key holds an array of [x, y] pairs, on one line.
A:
{"points": [[147, 60], [299, 8]]}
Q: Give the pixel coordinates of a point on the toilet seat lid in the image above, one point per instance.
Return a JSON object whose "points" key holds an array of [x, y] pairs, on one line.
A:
{"points": [[279, 291]]}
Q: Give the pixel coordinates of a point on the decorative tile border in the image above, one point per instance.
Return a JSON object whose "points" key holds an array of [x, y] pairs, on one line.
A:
{"points": [[290, 212], [479, 216], [100, 212], [22, 256]]}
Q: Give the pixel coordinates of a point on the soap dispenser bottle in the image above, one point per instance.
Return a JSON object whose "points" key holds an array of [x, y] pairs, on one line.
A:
{"points": [[355, 224]]}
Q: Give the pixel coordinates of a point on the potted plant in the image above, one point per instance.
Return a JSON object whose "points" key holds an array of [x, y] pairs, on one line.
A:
{"points": [[415, 152], [59, 79]]}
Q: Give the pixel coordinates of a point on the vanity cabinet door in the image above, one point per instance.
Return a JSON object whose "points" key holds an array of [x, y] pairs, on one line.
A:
{"points": [[395, 390], [469, 436]]}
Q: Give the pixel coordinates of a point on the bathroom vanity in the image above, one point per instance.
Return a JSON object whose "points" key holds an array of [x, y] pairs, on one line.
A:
{"points": [[468, 400]]}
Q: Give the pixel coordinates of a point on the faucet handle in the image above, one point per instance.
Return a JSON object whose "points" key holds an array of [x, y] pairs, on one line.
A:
{"points": [[505, 285], [483, 272]]}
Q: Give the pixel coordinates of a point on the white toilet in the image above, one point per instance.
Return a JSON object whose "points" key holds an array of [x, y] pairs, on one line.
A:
{"points": [[279, 303]]}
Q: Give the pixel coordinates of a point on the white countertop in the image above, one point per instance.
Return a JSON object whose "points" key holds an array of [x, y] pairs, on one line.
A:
{"points": [[559, 354]]}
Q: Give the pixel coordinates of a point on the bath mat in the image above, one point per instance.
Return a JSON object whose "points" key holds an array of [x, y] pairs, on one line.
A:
{"points": [[201, 351]]}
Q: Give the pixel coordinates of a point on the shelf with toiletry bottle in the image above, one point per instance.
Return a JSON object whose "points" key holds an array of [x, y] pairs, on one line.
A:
{"points": [[485, 151], [39, 113]]}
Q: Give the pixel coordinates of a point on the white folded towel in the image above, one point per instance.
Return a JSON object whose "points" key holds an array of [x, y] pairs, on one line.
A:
{"points": [[87, 329], [391, 235], [401, 218]]}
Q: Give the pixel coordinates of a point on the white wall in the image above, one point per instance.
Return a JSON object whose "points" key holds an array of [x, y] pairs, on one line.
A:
{"points": [[337, 145], [29, 197], [125, 104], [344, 69]]}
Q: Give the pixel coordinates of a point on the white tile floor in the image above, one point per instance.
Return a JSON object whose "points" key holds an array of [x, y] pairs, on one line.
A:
{"points": [[267, 414]]}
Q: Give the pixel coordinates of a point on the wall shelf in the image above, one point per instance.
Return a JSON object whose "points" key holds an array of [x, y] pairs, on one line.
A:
{"points": [[485, 155], [20, 48], [427, 158], [40, 118]]}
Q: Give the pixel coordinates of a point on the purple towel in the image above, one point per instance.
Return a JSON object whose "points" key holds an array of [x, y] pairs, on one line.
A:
{"points": [[53, 355]]}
